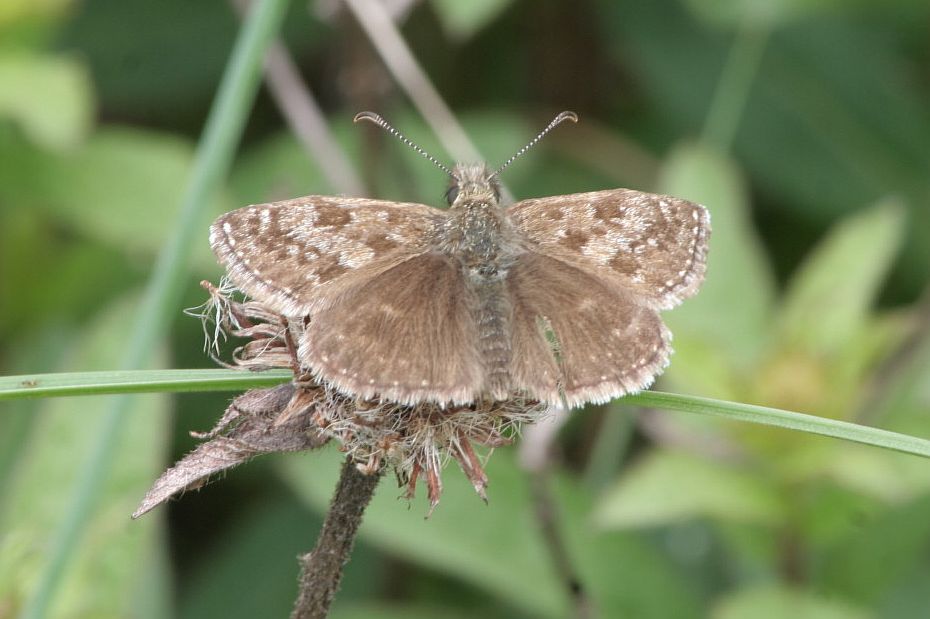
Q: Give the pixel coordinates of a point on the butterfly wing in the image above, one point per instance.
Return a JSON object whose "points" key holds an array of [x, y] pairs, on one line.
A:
{"points": [[294, 253], [603, 343], [655, 246], [407, 335]]}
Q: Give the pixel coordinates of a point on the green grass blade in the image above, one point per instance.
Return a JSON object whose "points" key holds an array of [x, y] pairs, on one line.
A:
{"points": [[783, 419], [149, 381], [214, 156], [732, 93], [134, 381]]}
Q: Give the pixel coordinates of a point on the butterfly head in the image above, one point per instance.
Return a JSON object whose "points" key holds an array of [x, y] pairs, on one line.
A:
{"points": [[471, 183]]}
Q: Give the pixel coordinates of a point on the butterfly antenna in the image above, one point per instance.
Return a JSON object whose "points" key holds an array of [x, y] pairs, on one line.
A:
{"points": [[375, 118], [558, 120]]}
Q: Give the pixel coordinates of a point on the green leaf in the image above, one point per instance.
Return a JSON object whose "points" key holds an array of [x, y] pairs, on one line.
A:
{"points": [[64, 277], [830, 297], [498, 548], [737, 268], [462, 20], [50, 98], [12, 11], [824, 130], [259, 548], [777, 602], [123, 187], [116, 558], [278, 168], [873, 559], [772, 13], [18, 419], [665, 487], [624, 574], [907, 397], [864, 471], [397, 611]]}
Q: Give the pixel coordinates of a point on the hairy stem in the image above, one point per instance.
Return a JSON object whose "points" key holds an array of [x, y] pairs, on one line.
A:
{"points": [[321, 568], [547, 517], [536, 452]]}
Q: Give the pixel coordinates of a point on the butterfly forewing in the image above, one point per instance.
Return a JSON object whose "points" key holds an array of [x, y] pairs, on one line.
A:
{"points": [[295, 254], [407, 335], [654, 246], [605, 343]]}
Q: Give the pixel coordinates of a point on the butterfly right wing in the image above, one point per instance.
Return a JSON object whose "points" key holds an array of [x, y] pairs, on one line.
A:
{"points": [[295, 254], [578, 338]]}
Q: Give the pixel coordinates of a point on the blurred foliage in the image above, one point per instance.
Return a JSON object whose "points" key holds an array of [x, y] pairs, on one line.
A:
{"points": [[819, 258]]}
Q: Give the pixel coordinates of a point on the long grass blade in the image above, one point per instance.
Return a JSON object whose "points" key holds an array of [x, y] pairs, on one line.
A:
{"points": [[150, 381]]}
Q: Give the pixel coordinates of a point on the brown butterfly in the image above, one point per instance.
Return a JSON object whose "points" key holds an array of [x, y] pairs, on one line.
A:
{"points": [[556, 299]]}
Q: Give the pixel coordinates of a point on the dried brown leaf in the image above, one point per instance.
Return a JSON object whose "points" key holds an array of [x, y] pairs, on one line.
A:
{"points": [[251, 426]]}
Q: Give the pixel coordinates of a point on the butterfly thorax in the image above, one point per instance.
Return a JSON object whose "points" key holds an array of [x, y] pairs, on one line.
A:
{"points": [[477, 232], [478, 235]]}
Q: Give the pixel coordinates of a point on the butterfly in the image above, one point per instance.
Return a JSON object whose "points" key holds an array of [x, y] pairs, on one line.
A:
{"points": [[556, 299]]}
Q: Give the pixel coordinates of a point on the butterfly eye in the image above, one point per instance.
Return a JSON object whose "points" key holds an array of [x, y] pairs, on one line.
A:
{"points": [[452, 193], [495, 187]]}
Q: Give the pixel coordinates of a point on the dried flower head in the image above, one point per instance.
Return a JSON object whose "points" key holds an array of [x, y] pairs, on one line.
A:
{"points": [[417, 441]]}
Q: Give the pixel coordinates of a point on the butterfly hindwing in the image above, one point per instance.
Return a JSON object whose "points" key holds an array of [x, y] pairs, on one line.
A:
{"points": [[407, 335], [605, 344]]}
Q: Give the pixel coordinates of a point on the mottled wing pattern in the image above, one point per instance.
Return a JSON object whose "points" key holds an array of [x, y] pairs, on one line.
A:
{"points": [[294, 254], [655, 245], [605, 344], [408, 335]]}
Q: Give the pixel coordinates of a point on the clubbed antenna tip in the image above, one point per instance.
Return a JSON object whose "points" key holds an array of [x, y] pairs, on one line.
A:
{"points": [[376, 119], [558, 120]]}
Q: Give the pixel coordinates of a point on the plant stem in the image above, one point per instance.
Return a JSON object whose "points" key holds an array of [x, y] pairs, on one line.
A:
{"points": [[547, 517], [321, 569], [614, 434], [536, 455]]}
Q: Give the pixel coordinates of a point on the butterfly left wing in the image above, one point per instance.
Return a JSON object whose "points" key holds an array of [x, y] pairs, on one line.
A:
{"points": [[295, 254], [407, 335], [655, 246]]}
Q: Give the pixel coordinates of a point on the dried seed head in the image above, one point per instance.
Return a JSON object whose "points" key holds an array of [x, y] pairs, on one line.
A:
{"points": [[417, 441]]}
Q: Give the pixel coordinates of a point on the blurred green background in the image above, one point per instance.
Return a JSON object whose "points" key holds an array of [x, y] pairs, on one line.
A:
{"points": [[803, 125]]}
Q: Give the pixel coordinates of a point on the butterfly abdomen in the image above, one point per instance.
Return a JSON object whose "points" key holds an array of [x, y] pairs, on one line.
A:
{"points": [[480, 240], [493, 317]]}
